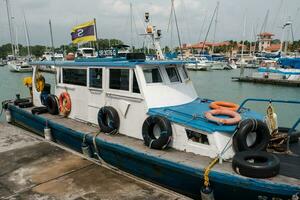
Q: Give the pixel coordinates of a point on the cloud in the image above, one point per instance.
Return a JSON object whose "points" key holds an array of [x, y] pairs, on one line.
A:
{"points": [[113, 18]]}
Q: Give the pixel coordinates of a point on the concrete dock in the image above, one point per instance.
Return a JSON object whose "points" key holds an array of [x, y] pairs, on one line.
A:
{"points": [[31, 168], [284, 82]]}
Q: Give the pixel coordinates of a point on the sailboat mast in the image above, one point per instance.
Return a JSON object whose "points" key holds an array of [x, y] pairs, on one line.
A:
{"points": [[27, 35], [215, 29], [244, 35], [10, 27], [131, 28]]}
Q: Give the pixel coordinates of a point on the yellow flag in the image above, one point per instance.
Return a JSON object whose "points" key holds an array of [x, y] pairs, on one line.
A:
{"points": [[84, 32]]}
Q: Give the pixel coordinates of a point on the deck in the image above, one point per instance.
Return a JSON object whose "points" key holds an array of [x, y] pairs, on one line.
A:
{"points": [[185, 158], [34, 169]]}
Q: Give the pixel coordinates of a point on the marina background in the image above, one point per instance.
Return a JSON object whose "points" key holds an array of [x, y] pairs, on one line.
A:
{"points": [[215, 85]]}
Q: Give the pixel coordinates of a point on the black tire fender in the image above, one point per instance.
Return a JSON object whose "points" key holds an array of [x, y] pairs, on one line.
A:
{"points": [[246, 127], [39, 110], [52, 104], [108, 113], [165, 137], [256, 164]]}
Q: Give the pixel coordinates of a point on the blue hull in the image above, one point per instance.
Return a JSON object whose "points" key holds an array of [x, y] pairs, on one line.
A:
{"points": [[175, 176]]}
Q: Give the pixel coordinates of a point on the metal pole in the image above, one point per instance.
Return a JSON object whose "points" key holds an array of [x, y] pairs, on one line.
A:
{"points": [[96, 34], [52, 43], [211, 21], [10, 28], [27, 35], [131, 39], [179, 40]]}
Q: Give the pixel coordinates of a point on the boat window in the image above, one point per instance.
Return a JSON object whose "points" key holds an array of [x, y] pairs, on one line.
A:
{"points": [[96, 77], [185, 75], [152, 75], [173, 74], [119, 79], [135, 85], [197, 137], [75, 76]]}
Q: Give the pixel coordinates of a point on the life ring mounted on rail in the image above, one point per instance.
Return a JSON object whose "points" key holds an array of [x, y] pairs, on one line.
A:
{"points": [[235, 117], [65, 104], [224, 105]]}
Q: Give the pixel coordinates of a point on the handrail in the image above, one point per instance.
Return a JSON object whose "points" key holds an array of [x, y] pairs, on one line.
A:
{"points": [[273, 101]]}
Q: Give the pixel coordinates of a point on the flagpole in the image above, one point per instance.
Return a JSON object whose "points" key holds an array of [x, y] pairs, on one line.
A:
{"points": [[96, 34]]}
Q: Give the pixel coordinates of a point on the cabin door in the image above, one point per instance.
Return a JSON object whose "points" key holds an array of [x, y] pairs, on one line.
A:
{"points": [[96, 96]]}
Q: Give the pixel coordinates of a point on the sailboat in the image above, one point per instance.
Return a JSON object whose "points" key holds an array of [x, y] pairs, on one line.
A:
{"points": [[16, 64]]}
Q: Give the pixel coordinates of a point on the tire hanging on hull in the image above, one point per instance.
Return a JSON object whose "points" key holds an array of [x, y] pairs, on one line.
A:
{"points": [[165, 136], [260, 133], [108, 120]]}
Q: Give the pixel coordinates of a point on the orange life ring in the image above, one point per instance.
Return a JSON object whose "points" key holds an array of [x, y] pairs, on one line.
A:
{"points": [[234, 116], [224, 105], [65, 103]]}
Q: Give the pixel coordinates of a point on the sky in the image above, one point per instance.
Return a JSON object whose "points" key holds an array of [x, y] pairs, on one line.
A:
{"points": [[113, 19]]}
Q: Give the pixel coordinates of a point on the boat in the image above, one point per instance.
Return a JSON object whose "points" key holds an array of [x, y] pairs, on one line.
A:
{"points": [[220, 65], [50, 56], [19, 66], [145, 117], [85, 52], [2, 63], [199, 64], [141, 96]]}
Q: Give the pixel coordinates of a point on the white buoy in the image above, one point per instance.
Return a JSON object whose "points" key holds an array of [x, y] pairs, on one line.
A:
{"points": [[8, 116], [207, 193], [48, 134]]}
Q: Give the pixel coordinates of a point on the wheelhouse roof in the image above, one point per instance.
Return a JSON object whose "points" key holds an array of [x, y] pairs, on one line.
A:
{"points": [[106, 62]]}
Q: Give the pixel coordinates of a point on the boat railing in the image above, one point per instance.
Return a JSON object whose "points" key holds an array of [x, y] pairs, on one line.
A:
{"points": [[272, 101]]}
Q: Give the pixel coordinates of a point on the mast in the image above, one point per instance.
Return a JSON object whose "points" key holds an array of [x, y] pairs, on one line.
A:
{"points": [[210, 23], [10, 27], [17, 42], [244, 35], [215, 29], [177, 28], [27, 36], [131, 29], [52, 42]]}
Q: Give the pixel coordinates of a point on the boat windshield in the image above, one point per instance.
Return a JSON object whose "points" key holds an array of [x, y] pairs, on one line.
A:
{"points": [[88, 51]]}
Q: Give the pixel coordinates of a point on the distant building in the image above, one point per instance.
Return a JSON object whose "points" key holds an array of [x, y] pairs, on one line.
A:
{"points": [[189, 49], [264, 40]]}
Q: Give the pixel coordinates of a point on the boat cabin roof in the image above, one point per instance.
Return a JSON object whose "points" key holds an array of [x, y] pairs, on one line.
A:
{"points": [[107, 62]]}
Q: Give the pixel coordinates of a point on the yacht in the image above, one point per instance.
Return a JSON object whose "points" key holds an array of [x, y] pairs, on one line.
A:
{"points": [[199, 63], [19, 66]]}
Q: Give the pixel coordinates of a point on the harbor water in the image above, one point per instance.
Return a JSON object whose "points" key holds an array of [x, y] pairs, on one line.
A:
{"points": [[216, 85]]}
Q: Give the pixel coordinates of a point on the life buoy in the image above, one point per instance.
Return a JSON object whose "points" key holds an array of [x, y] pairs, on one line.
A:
{"points": [[224, 105], [252, 134], [108, 120], [52, 104], [235, 117], [163, 128], [65, 104], [256, 164]]}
